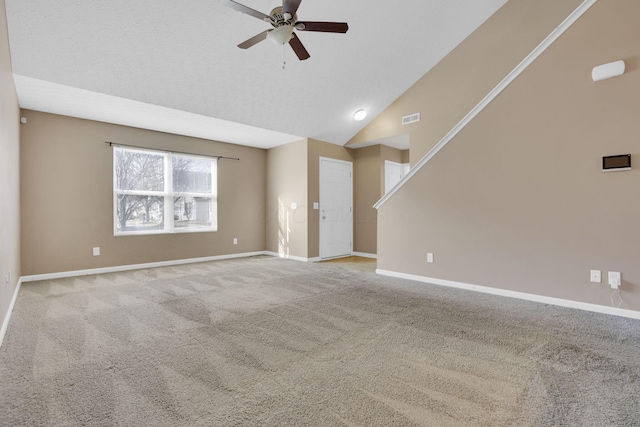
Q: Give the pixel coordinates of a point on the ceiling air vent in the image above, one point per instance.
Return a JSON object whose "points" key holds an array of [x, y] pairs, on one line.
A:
{"points": [[412, 118]]}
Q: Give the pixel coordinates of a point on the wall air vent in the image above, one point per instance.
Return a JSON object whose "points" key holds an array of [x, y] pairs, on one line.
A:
{"points": [[412, 118]]}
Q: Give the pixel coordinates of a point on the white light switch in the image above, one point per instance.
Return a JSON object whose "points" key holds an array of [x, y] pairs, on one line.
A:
{"points": [[614, 279], [429, 257], [595, 276], [96, 251], [294, 205], [235, 240], [316, 206]]}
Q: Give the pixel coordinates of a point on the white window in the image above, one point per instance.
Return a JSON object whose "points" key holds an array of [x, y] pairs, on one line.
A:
{"points": [[163, 192]]}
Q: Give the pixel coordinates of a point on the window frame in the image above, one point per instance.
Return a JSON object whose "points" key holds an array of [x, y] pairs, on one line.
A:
{"points": [[168, 194]]}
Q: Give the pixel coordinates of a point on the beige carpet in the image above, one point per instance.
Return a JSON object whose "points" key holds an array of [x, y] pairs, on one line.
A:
{"points": [[269, 342]]}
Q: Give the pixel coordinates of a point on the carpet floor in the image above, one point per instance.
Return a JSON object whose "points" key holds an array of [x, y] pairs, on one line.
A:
{"points": [[268, 342]]}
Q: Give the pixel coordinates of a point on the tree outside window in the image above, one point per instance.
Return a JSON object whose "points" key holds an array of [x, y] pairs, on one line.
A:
{"points": [[163, 192]]}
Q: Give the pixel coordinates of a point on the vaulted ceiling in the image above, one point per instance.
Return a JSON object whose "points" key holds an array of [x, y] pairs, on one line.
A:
{"points": [[174, 66]]}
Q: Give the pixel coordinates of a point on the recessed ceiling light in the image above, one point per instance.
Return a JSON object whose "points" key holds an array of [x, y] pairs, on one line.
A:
{"points": [[359, 115]]}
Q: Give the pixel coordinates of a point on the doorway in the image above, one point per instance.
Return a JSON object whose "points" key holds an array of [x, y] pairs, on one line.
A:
{"points": [[336, 208], [393, 174]]}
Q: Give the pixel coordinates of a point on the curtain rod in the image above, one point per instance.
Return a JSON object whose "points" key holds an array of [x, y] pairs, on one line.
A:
{"points": [[111, 144]]}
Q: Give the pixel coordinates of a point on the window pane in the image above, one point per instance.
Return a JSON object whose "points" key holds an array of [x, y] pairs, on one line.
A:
{"points": [[191, 174], [139, 213], [139, 170], [192, 212]]}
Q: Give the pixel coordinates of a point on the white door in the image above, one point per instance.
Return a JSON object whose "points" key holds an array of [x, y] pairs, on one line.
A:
{"points": [[393, 173], [336, 210]]}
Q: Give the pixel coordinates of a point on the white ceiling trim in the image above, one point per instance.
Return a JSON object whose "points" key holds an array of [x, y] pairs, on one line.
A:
{"points": [[40, 95]]}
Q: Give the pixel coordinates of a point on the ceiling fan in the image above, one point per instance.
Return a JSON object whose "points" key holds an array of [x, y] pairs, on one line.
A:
{"points": [[284, 20]]}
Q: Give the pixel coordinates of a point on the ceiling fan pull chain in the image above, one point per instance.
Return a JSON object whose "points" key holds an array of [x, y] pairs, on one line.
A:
{"points": [[284, 61]]}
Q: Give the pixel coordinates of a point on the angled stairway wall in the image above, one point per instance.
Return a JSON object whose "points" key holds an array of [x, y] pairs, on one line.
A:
{"points": [[517, 200]]}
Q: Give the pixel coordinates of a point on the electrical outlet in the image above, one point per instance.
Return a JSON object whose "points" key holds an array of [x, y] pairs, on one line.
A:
{"points": [[235, 240], [430, 257], [596, 276], [615, 279], [96, 251]]}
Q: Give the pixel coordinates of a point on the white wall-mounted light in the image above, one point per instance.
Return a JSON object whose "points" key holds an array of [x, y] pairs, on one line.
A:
{"points": [[359, 115], [606, 71]]}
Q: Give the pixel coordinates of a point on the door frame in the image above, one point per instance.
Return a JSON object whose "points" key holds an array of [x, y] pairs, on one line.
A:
{"points": [[350, 218], [405, 170]]}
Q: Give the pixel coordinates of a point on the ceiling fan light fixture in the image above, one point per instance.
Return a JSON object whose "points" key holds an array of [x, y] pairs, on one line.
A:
{"points": [[359, 115], [280, 35], [284, 20]]}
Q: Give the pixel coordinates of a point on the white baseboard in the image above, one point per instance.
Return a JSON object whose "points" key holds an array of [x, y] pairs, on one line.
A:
{"points": [[603, 309], [7, 317], [365, 255], [119, 268]]}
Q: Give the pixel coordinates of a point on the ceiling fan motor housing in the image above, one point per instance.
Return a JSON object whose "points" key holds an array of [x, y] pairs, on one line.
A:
{"points": [[282, 26], [279, 19]]}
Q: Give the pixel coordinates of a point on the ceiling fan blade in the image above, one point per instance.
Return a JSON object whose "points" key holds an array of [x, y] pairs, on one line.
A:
{"points": [[253, 40], [244, 9], [290, 6], [325, 27], [298, 48]]}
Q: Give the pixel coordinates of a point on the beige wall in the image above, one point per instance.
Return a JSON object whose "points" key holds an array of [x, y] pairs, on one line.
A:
{"points": [[456, 84], [9, 174], [368, 188], [517, 200], [393, 155], [287, 228], [67, 197], [369, 184], [317, 149], [405, 156], [294, 176]]}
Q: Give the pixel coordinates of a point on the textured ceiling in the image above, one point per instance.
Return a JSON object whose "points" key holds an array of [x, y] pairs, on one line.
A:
{"points": [[177, 61]]}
